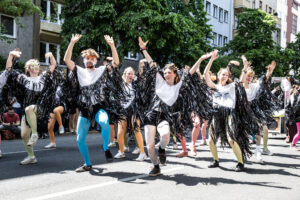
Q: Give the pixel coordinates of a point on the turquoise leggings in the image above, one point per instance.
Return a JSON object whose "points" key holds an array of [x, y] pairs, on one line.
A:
{"points": [[83, 126]]}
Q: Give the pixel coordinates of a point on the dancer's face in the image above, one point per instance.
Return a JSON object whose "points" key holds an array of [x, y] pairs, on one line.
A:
{"points": [[90, 61], [129, 76], [249, 77], [224, 75], [170, 76], [34, 70]]}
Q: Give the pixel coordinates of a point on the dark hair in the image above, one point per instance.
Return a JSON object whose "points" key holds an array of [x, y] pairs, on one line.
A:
{"points": [[173, 67]]}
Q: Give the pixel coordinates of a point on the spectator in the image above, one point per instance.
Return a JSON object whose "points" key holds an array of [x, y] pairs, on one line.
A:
{"points": [[16, 106], [11, 121]]}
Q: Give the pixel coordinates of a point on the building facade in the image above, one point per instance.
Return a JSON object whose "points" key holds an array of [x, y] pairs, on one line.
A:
{"points": [[220, 15], [293, 26]]}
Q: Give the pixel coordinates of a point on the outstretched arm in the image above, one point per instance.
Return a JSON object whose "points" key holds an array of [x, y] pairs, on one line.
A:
{"points": [[207, 77], [197, 64], [68, 55], [247, 65], [270, 68], [110, 41], [52, 61], [143, 47], [12, 54]]}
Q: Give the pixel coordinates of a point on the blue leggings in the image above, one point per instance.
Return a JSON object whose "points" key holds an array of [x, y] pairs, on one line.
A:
{"points": [[83, 126]]}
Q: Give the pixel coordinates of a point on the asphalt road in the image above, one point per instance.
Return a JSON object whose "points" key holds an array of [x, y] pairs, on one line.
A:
{"points": [[53, 177]]}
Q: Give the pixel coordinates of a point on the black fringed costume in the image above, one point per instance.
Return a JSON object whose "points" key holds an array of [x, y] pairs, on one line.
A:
{"points": [[174, 103], [32, 91], [231, 116], [263, 103], [103, 91]]}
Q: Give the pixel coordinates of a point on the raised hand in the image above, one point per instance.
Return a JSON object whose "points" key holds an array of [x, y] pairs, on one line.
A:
{"points": [[15, 53], [142, 44], [75, 38], [234, 62], [109, 40], [272, 66], [48, 55], [214, 54], [206, 56]]}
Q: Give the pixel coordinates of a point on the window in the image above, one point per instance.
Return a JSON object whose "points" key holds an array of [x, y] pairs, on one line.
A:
{"points": [[132, 56], [253, 4], [220, 40], [8, 26], [46, 47], [260, 5], [295, 6], [221, 15], [266, 8], [225, 16], [207, 7], [215, 38], [236, 21], [294, 24], [225, 40], [52, 12], [270, 10], [215, 13]]}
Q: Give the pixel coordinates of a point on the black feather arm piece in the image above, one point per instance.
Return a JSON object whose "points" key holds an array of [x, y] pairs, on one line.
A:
{"points": [[265, 102]]}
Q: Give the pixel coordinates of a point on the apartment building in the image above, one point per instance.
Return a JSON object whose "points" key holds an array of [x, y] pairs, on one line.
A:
{"points": [[293, 26]]}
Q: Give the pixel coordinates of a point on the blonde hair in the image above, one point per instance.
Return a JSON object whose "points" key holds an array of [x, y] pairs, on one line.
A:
{"points": [[126, 71], [250, 72], [89, 52], [32, 64], [219, 72], [173, 67]]}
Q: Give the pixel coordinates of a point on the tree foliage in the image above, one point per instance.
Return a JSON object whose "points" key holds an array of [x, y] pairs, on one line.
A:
{"points": [[177, 30], [16, 8], [254, 40]]}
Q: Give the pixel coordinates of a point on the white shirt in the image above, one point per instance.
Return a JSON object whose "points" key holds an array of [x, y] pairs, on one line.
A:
{"points": [[89, 77], [225, 95], [252, 90], [33, 83], [3, 78], [167, 93]]}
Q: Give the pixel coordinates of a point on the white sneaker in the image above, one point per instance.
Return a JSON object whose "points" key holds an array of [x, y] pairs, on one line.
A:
{"points": [[126, 149], [267, 152], [136, 150], [51, 145], [258, 157], [141, 157], [112, 144], [61, 130], [120, 155], [33, 139], [28, 160]]}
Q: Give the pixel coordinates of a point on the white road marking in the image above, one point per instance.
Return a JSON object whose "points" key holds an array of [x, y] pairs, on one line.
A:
{"points": [[90, 187], [25, 151]]}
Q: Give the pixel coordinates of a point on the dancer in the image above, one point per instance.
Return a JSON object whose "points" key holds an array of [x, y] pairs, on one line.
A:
{"points": [[93, 100], [33, 90], [131, 107], [3, 76], [167, 105], [226, 122], [293, 114], [262, 104]]}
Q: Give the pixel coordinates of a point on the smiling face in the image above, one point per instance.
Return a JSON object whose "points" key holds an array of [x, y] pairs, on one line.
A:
{"points": [[128, 75], [33, 67], [223, 76], [90, 61], [169, 76]]}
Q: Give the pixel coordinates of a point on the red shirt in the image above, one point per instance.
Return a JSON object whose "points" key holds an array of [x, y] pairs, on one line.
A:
{"points": [[10, 119]]}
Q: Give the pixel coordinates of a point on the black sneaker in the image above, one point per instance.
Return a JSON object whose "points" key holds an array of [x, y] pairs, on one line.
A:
{"points": [[84, 168], [214, 164], [108, 156], [155, 171], [239, 167], [162, 156]]}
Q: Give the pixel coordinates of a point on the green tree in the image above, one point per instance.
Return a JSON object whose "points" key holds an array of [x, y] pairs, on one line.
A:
{"points": [[16, 8], [177, 30], [254, 40], [295, 46]]}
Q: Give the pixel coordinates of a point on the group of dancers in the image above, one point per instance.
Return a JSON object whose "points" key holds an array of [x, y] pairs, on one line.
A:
{"points": [[159, 100]]}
